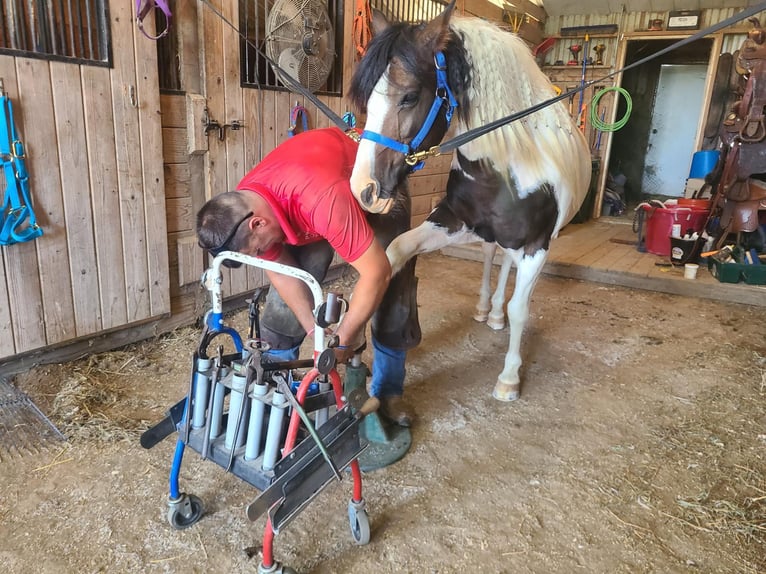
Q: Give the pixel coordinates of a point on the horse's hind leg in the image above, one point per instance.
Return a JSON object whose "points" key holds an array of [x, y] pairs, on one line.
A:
{"points": [[496, 319], [483, 306], [528, 269]]}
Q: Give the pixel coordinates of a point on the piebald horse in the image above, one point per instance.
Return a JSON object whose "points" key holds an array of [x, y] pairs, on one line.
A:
{"points": [[515, 187]]}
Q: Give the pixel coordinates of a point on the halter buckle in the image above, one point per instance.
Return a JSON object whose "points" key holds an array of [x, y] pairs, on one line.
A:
{"points": [[354, 135], [415, 158]]}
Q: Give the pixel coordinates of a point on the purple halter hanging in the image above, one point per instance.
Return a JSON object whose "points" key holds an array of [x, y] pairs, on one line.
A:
{"points": [[142, 9]]}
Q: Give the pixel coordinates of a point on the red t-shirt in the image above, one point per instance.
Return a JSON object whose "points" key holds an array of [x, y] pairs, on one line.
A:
{"points": [[306, 182]]}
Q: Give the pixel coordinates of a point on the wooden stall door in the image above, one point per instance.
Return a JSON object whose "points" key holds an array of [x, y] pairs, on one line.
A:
{"points": [[93, 144]]}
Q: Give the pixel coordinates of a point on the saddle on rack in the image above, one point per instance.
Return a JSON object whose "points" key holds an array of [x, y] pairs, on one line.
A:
{"points": [[741, 173]]}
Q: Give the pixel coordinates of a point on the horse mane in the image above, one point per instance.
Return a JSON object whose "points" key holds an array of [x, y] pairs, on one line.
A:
{"points": [[398, 40], [505, 79]]}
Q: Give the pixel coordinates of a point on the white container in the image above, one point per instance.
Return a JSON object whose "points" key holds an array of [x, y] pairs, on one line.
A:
{"points": [[690, 270]]}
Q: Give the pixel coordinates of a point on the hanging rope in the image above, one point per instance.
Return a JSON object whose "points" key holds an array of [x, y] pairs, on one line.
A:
{"points": [[362, 27], [598, 122]]}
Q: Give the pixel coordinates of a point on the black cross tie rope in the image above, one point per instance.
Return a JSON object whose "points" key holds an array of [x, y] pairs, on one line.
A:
{"points": [[474, 133], [287, 78]]}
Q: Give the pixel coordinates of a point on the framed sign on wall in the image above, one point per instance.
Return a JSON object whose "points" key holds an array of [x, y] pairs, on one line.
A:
{"points": [[684, 20]]}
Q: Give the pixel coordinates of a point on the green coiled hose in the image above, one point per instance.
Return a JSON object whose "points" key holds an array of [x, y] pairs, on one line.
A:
{"points": [[602, 126]]}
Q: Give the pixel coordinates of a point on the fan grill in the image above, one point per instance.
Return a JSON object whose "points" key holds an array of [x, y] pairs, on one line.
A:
{"points": [[301, 40]]}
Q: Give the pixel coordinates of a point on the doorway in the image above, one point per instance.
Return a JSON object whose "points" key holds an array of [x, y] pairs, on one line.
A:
{"points": [[651, 155]]}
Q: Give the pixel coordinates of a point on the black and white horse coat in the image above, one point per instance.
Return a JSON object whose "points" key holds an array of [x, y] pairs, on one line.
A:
{"points": [[515, 187]]}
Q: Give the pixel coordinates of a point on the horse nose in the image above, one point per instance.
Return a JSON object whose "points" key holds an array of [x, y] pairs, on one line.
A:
{"points": [[368, 194]]}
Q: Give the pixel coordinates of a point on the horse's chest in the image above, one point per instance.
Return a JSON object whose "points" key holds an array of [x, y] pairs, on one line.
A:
{"points": [[492, 207]]}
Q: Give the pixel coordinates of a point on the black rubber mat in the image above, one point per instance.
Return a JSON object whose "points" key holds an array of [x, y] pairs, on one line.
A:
{"points": [[24, 429]]}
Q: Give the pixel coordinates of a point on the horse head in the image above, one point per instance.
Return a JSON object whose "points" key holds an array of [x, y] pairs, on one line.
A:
{"points": [[403, 85]]}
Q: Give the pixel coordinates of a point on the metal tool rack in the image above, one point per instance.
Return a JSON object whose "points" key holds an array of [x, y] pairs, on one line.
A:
{"points": [[267, 436]]}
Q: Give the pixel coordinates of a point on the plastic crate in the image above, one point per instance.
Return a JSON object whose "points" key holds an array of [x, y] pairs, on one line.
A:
{"points": [[736, 272]]}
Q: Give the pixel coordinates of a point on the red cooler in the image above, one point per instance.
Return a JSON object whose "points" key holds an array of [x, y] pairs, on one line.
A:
{"points": [[659, 225]]}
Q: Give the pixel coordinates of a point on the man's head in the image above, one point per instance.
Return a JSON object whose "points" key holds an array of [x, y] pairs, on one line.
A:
{"points": [[237, 221]]}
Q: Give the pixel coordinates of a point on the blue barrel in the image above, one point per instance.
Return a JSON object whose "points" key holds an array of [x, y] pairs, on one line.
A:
{"points": [[703, 163]]}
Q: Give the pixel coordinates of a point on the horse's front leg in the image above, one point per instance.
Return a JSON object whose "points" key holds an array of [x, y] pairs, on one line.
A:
{"points": [[496, 319], [426, 237], [528, 269], [483, 306]]}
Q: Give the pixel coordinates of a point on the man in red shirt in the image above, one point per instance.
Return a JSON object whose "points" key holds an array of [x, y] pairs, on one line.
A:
{"points": [[296, 207]]}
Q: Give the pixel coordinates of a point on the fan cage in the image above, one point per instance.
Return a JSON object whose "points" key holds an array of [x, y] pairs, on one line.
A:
{"points": [[256, 72]]}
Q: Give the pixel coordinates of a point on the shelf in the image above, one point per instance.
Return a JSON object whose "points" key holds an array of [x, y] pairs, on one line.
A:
{"points": [[577, 67], [578, 36]]}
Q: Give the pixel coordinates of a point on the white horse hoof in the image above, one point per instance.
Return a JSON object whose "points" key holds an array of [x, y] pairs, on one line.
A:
{"points": [[480, 317], [505, 392], [496, 322]]}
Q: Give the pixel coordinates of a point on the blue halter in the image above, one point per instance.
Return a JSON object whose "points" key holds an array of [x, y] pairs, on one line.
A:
{"points": [[442, 96]]}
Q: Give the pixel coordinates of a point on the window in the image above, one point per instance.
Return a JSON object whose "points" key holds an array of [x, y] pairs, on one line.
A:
{"points": [[294, 33], [56, 29], [409, 10]]}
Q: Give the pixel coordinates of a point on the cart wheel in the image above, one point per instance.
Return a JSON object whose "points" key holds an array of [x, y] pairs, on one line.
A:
{"points": [[178, 518], [359, 522]]}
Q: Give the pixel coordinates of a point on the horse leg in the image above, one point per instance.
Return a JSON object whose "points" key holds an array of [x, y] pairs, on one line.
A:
{"points": [[483, 306], [425, 238], [528, 269], [496, 319]]}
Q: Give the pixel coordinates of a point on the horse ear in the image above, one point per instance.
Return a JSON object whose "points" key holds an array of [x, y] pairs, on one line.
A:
{"points": [[379, 22], [437, 30]]}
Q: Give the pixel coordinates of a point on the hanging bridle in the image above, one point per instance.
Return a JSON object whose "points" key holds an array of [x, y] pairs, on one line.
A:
{"points": [[442, 98]]}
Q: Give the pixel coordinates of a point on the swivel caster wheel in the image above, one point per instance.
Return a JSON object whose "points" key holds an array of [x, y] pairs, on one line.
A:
{"points": [[185, 511], [359, 522]]}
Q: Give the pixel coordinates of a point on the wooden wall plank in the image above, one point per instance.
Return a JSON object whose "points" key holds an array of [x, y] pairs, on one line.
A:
{"points": [[173, 111], [180, 214], [105, 196], [129, 167], [175, 145], [21, 302], [40, 126], [234, 139], [252, 110], [75, 189], [428, 185], [177, 180], [217, 181], [7, 347], [153, 175], [190, 264]]}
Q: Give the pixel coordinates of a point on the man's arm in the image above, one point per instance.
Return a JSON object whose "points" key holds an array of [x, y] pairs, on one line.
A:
{"points": [[374, 275], [294, 292]]}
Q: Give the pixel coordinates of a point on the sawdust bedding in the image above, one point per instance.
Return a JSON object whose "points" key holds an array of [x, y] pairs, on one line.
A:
{"points": [[637, 446]]}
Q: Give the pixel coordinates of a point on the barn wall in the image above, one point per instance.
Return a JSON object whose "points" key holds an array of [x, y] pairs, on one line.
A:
{"points": [[92, 144], [119, 171], [630, 25]]}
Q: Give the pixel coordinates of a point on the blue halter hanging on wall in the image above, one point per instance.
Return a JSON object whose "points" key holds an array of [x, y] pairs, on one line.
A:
{"points": [[17, 219]]}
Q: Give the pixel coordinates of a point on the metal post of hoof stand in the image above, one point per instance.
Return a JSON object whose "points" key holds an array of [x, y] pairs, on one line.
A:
{"points": [[387, 442]]}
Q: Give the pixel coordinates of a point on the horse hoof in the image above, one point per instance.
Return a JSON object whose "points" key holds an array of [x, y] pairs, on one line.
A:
{"points": [[480, 317], [496, 322], [505, 392]]}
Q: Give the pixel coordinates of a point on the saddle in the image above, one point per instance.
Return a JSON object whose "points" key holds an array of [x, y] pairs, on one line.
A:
{"points": [[743, 132]]}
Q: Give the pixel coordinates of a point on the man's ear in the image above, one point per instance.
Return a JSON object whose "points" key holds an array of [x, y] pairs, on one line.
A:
{"points": [[256, 221]]}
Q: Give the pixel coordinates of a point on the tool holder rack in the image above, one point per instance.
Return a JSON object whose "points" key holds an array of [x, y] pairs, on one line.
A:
{"points": [[265, 417]]}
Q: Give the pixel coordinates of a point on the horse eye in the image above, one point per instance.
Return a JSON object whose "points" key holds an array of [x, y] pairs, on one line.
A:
{"points": [[409, 100]]}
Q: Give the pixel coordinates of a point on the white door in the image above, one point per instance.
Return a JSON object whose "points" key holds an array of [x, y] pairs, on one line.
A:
{"points": [[676, 114]]}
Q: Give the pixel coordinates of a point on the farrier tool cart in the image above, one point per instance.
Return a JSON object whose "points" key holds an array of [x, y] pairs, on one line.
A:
{"points": [[287, 438]]}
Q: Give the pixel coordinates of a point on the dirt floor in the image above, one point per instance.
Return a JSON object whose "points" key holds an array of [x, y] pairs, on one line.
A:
{"points": [[638, 445]]}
